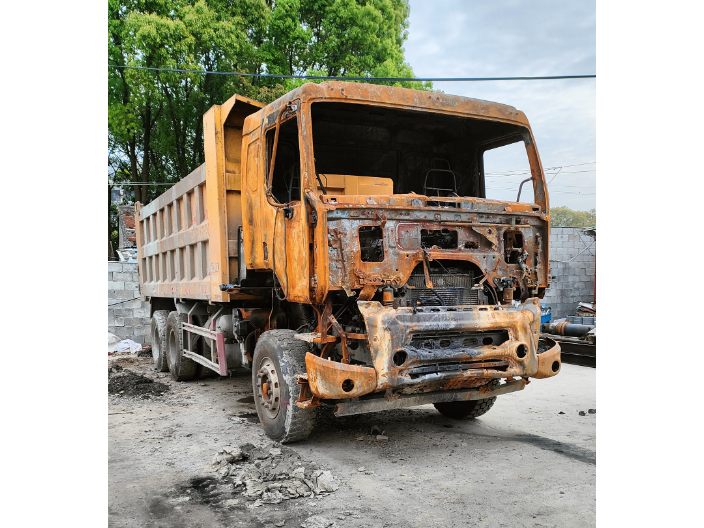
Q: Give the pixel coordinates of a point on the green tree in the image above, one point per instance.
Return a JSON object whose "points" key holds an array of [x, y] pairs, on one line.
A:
{"points": [[566, 217], [155, 125]]}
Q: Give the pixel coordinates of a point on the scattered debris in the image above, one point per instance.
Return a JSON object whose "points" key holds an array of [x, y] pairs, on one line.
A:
{"points": [[124, 382], [592, 411], [112, 340], [582, 413], [361, 469], [318, 521], [560, 412], [145, 352], [126, 346], [270, 475], [360, 439], [382, 438]]}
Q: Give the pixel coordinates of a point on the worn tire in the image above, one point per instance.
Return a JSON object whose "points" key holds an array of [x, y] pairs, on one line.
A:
{"points": [[182, 368], [279, 349], [161, 363], [467, 410]]}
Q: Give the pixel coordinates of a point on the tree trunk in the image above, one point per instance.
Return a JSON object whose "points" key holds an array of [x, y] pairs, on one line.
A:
{"points": [[110, 254], [140, 193], [134, 168]]}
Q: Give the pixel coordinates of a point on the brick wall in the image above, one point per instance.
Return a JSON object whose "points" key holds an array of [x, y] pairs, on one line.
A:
{"points": [[128, 319], [572, 275]]}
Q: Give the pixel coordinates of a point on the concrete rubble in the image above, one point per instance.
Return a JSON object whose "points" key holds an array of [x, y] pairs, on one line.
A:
{"points": [[270, 474]]}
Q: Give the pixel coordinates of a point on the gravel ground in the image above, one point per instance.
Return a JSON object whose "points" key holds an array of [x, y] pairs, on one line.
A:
{"points": [[522, 464]]}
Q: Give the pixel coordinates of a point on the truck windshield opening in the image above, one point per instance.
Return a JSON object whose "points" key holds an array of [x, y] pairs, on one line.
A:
{"points": [[362, 149]]}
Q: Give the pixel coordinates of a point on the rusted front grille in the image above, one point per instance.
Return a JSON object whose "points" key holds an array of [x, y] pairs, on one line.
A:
{"points": [[454, 290], [466, 365]]}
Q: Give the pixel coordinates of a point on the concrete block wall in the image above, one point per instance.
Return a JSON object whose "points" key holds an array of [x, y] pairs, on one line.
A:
{"points": [[572, 270], [128, 317]]}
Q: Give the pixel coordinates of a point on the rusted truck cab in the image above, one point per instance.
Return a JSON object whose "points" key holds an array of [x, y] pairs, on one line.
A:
{"points": [[368, 204], [350, 252]]}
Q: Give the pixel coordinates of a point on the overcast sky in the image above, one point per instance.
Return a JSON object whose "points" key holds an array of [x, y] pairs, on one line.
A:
{"points": [[465, 38]]}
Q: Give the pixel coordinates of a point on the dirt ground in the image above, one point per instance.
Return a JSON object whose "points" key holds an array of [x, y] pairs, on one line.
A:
{"points": [[522, 464]]}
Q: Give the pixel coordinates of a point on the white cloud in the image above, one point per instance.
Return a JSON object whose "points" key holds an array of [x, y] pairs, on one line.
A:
{"points": [[455, 38]]}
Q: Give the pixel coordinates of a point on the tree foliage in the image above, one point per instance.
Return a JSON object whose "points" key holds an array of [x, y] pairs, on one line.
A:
{"points": [[566, 217], [155, 127]]}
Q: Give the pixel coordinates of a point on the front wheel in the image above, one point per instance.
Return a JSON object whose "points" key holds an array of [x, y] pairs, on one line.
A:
{"points": [[278, 357], [466, 410]]}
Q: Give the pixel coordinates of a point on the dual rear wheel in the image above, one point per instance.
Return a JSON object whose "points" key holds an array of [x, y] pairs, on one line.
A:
{"points": [[168, 345]]}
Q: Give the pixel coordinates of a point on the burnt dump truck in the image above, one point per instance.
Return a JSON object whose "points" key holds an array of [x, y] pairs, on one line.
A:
{"points": [[340, 243]]}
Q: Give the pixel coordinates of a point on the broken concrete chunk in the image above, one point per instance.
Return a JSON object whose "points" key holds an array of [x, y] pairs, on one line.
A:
{"points": [[298, 473], [362, 469], [592, 411], [324, 481], [272, 497], [582, 413], [382, 438]]}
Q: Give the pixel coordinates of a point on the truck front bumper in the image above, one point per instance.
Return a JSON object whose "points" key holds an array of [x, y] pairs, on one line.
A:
{"points": [[439, 348]]}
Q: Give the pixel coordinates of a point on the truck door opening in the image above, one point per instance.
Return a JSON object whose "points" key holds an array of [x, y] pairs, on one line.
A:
{"points": [[286, 180]]}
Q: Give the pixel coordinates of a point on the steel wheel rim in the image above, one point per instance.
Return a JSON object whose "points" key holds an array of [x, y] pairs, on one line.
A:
{"points": [[268, 390]]}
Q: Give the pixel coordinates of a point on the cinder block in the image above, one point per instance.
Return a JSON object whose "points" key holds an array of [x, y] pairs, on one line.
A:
{"points": [[132, 286], [119, 321], [130, 266], [142, 312], [116, 285], [124, 295], [123, 332], [111, 295], [111, 329], [138, 339], [147, 339], [136, 303], [135, 276], [141, 330], [114, 266]]}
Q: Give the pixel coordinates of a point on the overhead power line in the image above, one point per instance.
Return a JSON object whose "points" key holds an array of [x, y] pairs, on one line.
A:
{"points": [[379, 79]]}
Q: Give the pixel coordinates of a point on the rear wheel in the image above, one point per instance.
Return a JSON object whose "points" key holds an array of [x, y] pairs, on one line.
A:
{"points": [[466, 410], [161, 364], [278, 357], [182, 368]]}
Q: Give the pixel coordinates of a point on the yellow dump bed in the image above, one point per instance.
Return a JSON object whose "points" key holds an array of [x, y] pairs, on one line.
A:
{"points": [[187, 237]]}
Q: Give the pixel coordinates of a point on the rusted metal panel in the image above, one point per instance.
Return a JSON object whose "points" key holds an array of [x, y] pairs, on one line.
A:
{"points": [[393, 330], [412, 400], [549, 361], [332, 380]]}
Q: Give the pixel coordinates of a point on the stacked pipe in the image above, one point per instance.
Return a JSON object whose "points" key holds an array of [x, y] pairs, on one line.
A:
{"points": [[564, 328]]}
